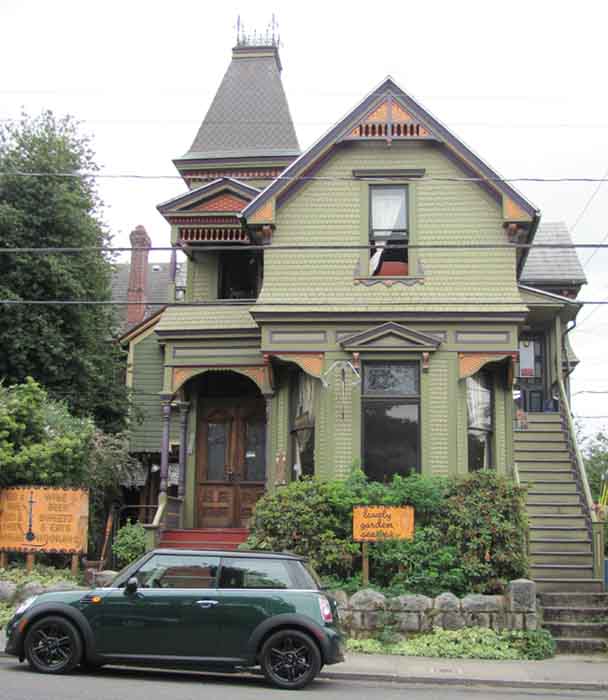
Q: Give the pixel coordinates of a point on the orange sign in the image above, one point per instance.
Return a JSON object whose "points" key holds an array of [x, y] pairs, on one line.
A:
{"points": [[371, 523], [40, 519]]}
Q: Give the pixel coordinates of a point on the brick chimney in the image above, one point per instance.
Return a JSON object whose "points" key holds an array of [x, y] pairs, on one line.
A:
{"points": [[138, 274]]}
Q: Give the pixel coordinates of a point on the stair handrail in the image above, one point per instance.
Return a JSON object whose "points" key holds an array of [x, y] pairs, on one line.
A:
{"points": [[597, 526], [518, 482]]}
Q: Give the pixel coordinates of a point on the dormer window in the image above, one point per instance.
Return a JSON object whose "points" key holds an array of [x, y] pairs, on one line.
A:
{"points": [[388, 230]]}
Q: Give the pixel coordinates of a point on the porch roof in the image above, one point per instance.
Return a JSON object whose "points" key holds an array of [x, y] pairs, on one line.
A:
{"points": [[207, 318]]}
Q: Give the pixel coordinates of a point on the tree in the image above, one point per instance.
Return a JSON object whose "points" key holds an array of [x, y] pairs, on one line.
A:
{"points": [[595, 455], [67, 348], [42, 444]]}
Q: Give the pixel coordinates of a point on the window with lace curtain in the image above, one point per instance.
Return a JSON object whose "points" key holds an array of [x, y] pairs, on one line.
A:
{"points": [[480, 410], [388, 230]]}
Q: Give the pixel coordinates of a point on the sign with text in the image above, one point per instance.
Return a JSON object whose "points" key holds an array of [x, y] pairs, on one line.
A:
{"points": [[40, 519], [372, 523]]}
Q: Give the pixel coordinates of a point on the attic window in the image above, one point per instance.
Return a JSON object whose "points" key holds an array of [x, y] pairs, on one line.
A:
{"points": [[388, 229]]}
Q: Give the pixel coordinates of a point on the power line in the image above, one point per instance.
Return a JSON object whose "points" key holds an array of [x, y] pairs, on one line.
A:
{"points": [[590, 391], [253, 302], [296, 247], [315, 178]]}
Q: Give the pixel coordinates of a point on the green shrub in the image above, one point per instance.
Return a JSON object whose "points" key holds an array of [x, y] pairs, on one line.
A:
{"points": [[470, 533], [7, 610], [129, 543], [45, 575], [532, 644], [470, 643]]}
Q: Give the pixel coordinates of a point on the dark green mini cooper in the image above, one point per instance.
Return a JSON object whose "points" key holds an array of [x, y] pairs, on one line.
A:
{"points": [[188, 609]]}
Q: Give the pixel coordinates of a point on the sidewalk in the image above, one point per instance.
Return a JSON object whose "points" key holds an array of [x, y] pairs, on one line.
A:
{"points": [[566, 672]]}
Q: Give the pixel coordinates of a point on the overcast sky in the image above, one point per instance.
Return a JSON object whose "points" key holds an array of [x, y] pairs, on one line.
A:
{"points": [[522, 83]]}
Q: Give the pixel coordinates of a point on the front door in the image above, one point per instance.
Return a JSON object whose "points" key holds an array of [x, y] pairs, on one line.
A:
{"points": [[532, 373], [231, 472]]}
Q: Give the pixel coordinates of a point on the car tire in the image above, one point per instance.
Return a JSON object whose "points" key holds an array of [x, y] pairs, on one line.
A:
{"points": [[53, 645], [290, 659]]}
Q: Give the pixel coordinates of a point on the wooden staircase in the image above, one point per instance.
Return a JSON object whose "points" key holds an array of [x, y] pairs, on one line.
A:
{"points": [[207, 538], [561, 558]]}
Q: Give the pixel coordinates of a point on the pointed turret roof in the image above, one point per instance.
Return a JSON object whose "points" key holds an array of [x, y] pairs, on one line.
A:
{"points": [[249, 116]]}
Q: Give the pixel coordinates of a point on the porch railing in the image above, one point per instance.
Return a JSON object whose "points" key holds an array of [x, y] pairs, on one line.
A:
{"points": [[596, 526], [527, 540]]}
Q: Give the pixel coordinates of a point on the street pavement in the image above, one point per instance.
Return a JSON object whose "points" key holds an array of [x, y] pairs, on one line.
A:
{"points": [[17, 682]]}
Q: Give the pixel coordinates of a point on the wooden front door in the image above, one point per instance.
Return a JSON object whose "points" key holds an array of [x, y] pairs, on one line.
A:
{"points": [[231, 461]]}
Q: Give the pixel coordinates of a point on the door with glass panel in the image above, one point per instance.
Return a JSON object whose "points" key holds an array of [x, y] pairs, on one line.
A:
{"points": [[231, 471]]}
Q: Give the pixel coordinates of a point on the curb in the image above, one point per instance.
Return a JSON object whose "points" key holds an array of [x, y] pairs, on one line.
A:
{"points": [[428, 680]]}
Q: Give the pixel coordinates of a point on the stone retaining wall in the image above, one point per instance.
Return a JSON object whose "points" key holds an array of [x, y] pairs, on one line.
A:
{"points": [[366, 612]]}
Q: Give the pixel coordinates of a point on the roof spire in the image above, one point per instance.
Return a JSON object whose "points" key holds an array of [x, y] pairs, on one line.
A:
{"points": [[269, 38]]}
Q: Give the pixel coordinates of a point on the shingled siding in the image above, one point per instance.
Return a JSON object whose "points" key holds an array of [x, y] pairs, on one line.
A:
{"points": [[147, 383], [437, 433], [333, 212], [202, 278]]}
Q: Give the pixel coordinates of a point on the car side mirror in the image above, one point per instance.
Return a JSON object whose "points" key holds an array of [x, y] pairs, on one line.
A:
{"points": [[131, 585]]}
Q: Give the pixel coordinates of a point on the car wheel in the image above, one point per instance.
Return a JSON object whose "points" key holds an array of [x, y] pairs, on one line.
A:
{"points": [[53, 645], [290, 659]]}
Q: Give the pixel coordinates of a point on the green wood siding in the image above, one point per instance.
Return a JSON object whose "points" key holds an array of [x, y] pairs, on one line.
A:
{"points": [[147, 383], [330, 212]]}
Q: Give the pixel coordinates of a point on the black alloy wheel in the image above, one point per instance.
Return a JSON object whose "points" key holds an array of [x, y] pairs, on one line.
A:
{"points": [[290, 659], [53, 645]]}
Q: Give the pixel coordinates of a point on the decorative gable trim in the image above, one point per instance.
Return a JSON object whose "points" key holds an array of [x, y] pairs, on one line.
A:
{"points": [[226, 192], [390, 337], [369, 111]]}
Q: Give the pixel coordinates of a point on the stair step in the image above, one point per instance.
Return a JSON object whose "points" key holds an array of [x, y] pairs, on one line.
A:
{"points": [[204, 538], [539, 445], [581, 646], [544, 486], [536, 497], [542, 465], [540, 455], [544, 417], [573, 585], [561, 571], [577, 630], [558, 615], [528, 475], [559, 558], [575, 600], [549, 519], [536, 508], [544, 433], [558, 544], [197, 544], [561, 532]]}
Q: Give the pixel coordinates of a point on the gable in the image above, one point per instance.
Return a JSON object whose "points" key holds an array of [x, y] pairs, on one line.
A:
{"points": [[390, 336], [388, 114], [224, 195]]}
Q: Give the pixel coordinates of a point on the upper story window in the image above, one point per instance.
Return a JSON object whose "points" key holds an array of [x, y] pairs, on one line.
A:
{"points": [[388, 228], [239, 274]]}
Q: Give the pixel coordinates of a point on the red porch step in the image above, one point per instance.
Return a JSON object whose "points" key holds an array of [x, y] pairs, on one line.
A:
{"points": [[228, 538]]}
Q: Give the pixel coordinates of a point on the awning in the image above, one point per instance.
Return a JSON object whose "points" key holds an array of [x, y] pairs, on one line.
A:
{"points": [[471, 362]]}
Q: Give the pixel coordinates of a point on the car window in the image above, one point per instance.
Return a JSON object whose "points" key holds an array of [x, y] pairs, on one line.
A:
{"points": [[240, 572], [178, 571]]}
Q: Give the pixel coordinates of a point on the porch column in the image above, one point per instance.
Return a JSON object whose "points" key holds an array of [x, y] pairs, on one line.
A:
{"points": [[268, 400], [184, 408], [164, 447]]}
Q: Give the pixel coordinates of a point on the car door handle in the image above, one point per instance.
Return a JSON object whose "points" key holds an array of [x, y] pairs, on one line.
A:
{"points": [[207, 603]]}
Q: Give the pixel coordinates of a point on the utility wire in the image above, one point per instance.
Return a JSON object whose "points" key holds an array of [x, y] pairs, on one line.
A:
{"points": [[294, 247], [253, 302], [317, 178]]}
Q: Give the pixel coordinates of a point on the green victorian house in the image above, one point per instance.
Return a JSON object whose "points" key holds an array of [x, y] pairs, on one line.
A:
{"points": [[366, 301]]}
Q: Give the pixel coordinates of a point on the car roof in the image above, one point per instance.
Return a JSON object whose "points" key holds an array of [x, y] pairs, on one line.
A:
{"points": [[232, 553]]}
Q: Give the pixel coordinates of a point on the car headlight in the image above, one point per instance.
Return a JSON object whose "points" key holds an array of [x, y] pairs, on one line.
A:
{"points": [[25, 605]]}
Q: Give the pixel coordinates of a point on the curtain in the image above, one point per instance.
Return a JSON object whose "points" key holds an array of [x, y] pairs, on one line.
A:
{"points": [[388, 208]]}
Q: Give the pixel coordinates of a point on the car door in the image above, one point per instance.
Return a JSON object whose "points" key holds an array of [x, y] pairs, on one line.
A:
{"points": [[249, 593], [150, 621]]}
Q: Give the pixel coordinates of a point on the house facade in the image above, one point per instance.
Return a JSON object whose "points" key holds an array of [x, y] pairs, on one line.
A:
{"points": [[370, 301]]}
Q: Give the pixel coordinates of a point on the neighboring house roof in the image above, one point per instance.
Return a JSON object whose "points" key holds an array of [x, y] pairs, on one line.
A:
{"points": [[249, 115], [553, 265], [157, 283]]}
